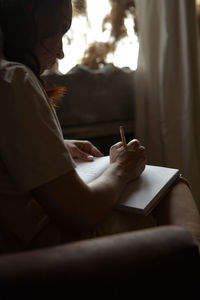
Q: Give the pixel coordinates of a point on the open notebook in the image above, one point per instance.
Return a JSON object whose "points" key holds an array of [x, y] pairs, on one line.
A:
{"points": [[139, 196]]}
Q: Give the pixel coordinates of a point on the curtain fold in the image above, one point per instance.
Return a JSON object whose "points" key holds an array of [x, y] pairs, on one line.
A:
{"points": [[167, 93]]}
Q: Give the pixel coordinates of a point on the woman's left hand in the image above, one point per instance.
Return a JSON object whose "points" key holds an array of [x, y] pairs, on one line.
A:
{"points": [[82, 149]]}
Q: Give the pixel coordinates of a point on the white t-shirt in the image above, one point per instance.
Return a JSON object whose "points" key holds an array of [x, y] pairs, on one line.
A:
{"points": [[32, 153]]}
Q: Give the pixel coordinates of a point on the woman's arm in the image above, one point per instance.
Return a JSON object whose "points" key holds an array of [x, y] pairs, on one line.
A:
{"points": [[77, 206]]}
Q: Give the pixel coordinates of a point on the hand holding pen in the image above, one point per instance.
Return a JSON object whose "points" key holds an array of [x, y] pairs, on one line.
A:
{"points": [[131, 157]]}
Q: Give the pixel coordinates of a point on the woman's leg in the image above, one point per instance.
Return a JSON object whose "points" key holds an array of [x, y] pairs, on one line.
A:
{"points": [[178, 207], [118, 222]]}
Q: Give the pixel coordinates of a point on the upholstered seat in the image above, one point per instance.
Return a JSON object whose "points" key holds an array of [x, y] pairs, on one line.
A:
{"points": [[159, 263]]}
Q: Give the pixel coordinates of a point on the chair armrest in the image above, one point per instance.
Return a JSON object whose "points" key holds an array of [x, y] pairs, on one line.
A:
{"points": [[136, 261]]}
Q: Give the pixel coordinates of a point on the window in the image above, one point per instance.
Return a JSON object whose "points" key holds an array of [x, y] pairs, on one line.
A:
{"points": [[87, 29]]}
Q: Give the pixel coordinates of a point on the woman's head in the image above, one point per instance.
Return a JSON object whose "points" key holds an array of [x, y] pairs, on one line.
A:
{"points": [[33, 31]]}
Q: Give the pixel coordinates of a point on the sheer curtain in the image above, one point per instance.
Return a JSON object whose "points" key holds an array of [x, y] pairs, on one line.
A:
{"points": [[167, 86]]}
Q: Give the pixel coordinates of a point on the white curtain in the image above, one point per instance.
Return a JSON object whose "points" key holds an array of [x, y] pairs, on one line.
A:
{"points": [[167, 93]]}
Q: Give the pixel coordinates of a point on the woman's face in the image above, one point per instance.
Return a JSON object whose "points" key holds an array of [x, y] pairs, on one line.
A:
{"points": [[49, 46]]}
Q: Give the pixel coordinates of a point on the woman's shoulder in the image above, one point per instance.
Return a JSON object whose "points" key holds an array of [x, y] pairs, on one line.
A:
{"points": [[18, 79], [12, 72]]}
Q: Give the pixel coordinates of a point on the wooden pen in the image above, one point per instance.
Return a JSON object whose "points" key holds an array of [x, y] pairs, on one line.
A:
{"points": [[121, 128]]}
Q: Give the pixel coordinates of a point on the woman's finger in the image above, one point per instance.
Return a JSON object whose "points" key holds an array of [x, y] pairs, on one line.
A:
{"points": [[134, 144], [77, 153], [117, 145], [96, 152]]}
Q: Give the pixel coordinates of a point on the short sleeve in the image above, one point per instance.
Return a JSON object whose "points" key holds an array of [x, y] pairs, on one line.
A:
{"points": [[31, 142]]}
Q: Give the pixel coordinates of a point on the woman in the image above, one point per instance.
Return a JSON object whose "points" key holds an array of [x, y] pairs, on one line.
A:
{"points": [[43, 200]]}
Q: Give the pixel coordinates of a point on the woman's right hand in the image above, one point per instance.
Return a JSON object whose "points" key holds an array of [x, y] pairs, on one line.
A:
{"points": [[130, 160]]}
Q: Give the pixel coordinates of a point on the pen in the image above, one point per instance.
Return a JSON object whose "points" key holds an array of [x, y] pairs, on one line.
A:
{"points": [[121, 128]]}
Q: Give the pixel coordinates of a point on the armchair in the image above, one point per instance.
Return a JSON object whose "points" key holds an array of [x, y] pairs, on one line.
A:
{"points": [[160, 263]]}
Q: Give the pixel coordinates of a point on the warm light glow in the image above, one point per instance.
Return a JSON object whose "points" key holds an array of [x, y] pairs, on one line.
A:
{"points": [[81, 35], [97, 10]]}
